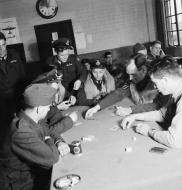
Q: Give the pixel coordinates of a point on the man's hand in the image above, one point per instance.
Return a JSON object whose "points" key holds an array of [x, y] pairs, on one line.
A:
{"points": [[63, 148], [121, 111], [55, 85], [91, 111], [143, 128], [72, 100], [64, 105], [74, 116], [77, 85], [128, 121]]}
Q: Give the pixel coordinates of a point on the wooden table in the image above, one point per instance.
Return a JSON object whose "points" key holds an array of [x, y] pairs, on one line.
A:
{"points": [[105, 165]]}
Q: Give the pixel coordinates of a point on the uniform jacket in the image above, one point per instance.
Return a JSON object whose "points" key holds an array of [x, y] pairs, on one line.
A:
{"points": [[25, 153], [71, 70], [12, 74], [12, 84]]}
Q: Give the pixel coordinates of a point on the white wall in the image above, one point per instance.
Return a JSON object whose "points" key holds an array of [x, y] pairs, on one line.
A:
{"points": [[110, 23]]}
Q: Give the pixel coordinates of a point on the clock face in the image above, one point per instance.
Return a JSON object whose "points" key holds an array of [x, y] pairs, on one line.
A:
{"points": [[46, 10]]}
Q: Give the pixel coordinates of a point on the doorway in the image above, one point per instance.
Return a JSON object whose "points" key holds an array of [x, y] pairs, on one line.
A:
{"points": [[46, 33]]}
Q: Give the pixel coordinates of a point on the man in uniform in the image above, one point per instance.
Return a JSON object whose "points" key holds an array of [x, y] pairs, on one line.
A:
{"points": [[67, 67], [12, 79], [30, 149]]}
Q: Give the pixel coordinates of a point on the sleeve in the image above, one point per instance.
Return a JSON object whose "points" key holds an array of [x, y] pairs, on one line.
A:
{"points": [[114, 97], [67, 95], [159, 102], [82, 99], [27, 144], [173, 136], [144, 107], [56, 130], [53, 116]]}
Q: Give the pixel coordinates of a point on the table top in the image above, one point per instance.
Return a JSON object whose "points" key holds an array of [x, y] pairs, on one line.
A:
{"points": [[106, 165]]}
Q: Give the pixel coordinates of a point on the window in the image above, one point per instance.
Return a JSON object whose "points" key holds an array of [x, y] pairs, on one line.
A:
{"points": [[173, 21]]}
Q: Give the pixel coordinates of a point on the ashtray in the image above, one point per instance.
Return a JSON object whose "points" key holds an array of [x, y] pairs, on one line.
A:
{"points": [[67, 181]]}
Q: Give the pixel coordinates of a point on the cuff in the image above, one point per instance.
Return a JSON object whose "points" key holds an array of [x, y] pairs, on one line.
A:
{"points": [[59, 140], [151, 132]]}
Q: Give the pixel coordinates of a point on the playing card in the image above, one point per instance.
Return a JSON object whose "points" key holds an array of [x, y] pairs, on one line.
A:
{"points": [[91, 118], [114, 128], [88, 138], [77, 124]]}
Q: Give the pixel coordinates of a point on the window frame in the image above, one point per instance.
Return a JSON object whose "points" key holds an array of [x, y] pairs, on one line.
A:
{"points": [[169, 29]]}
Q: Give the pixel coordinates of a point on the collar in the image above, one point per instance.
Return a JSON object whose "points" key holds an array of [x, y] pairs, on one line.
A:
{"points": [[23, 115]]}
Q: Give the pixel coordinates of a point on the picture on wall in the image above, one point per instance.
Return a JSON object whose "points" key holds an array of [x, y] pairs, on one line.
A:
{"points": [[10, 29]]}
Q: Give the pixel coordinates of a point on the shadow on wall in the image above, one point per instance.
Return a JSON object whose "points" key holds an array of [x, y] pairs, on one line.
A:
{"points": [[34, 68], [33, 51]]}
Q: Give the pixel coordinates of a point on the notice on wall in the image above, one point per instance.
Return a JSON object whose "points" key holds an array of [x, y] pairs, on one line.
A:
{"points": [[10, 29], [80, 40], [54, 38]]}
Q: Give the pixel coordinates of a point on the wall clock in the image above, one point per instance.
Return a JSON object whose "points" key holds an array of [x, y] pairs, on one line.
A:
{"points": [[47, 8]]}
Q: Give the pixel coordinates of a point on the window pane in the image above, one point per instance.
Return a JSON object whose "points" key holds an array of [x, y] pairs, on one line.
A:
{"points": [[180, 21], [175, 38], [171, 23], [172, 7], [180, 37], [179, 6], [172, 37], [167, 8]]}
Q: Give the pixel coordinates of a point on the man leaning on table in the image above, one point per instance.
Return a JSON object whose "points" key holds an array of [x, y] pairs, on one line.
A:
{"points": [[30, 149], [140, 89], [167, 76]]}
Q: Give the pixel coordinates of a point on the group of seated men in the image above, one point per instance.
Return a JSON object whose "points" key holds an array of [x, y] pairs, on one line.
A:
{"points": [[31, 142]]}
